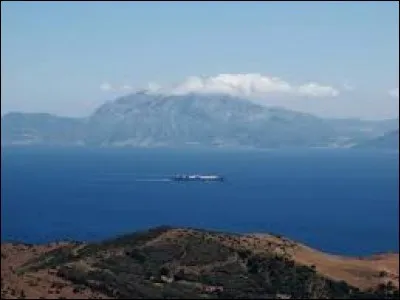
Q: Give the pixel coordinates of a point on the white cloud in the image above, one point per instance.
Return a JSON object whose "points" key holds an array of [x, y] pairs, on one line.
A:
{"points": [[106, 87], [315, 90], [249, 85], [153, 87], [394, 93], [236, 84], [126, 87], [348, 87]]}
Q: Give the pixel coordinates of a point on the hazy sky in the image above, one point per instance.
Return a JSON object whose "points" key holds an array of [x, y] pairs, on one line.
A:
{"points": [[330, 58]]}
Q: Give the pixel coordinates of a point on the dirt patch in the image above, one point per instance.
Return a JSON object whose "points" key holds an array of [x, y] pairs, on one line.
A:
{"points": [[34, 285]]}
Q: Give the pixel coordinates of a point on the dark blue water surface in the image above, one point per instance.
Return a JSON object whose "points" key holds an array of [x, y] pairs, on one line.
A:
{"points": [[341, 201]]}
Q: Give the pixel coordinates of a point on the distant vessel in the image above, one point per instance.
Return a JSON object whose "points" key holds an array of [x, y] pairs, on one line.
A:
{"points": [[197, 178]]}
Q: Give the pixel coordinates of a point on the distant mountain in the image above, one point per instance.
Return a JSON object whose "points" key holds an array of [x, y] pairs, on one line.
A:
{"points": [[389, 140], [40, 128], [215, 120], [364, 129]]}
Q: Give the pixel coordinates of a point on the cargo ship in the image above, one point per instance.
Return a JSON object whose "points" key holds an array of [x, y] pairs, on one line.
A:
{"points": [[197, 178]]}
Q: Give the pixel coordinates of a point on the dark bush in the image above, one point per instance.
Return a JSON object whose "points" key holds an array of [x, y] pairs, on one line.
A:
{"points": [[137, 254], [164, 271]]}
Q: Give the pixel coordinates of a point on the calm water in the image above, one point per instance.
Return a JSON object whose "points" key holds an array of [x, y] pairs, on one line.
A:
{"points": [[341, 201]]}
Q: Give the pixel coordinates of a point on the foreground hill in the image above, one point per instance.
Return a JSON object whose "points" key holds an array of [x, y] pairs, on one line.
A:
{"points": [[186, 263], [151, 120]]}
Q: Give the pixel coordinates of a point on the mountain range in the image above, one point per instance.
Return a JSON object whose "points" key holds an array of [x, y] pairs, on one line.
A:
{"points": [[144, 119]]}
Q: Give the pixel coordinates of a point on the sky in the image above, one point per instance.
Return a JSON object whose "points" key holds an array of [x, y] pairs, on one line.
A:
{"points": [[332, 59]]}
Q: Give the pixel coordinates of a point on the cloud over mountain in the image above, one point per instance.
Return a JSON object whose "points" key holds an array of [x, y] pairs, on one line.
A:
{"points": [[248, 85], [107, 87], [245, 85]]}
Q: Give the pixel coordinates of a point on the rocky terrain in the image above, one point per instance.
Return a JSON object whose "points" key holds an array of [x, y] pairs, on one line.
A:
{"points": [[177, 263]]}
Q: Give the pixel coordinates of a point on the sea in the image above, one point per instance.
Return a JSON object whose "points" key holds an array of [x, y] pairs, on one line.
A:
{"points": [[342, 201]]}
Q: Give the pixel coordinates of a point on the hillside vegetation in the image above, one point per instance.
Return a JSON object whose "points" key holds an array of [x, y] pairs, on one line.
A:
{"points": [[176, 263]]}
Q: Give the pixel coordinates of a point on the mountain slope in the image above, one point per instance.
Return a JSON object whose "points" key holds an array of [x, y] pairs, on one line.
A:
{"points": [[389, 140], [150, 120], [187, 263], [40, 128], [362, 130], [208, 120]]}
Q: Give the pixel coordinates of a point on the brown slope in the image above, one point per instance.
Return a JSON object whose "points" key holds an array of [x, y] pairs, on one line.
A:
{"points": [[34, 285], [360, 272], [363, 273]]}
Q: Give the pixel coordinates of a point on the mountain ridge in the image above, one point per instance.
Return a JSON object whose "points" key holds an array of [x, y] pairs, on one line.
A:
{"points": [[210, 120], [388, 141]]}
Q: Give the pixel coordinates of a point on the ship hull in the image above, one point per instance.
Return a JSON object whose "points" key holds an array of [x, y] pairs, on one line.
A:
{"points": [[197, 178]]}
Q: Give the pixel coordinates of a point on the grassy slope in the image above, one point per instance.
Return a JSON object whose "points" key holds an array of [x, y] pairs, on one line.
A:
{"points": [[181, 263]]}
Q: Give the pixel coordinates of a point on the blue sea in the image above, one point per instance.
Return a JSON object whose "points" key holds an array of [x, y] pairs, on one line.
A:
{"points": [[340, 201]]}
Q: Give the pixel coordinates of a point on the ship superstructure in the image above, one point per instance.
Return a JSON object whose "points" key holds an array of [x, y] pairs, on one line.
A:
{"points": [[196, 177]]}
